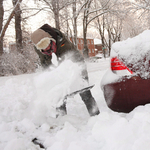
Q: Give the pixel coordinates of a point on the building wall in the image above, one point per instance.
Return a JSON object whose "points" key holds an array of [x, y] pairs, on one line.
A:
{"points": [[80, 44], [99, 49], [90, 43], [91, 47]]}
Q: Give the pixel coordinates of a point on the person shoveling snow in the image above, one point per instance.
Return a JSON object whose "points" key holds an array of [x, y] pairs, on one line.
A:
{"points": [[49, 41]]}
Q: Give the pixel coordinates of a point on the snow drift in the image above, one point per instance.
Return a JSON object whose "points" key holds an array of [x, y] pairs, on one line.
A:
{"points": [[26, 112]]}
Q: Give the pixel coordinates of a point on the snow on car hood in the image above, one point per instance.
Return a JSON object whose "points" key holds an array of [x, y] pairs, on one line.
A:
{"points": [[132, 46]]}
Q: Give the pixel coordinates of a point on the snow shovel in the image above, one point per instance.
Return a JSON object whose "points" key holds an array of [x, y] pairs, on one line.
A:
{"points": [[78, 91], [61, 110]]}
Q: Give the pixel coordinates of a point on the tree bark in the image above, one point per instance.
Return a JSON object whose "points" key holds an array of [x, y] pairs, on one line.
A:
{"points": [[3, 30], [1, 25], [85, 25], [85, 49], [75, 23], [55, 6], [18, 29]]}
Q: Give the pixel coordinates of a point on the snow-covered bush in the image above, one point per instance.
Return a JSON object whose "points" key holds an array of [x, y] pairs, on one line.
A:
{"points": [[17, 62]]}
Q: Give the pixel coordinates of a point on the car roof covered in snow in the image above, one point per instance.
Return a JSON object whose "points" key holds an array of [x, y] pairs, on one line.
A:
{"points": [[139, 44]]}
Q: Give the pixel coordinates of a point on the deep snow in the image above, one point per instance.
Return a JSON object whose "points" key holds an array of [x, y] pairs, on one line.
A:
{"points": [[27, 110], [136, 46]]}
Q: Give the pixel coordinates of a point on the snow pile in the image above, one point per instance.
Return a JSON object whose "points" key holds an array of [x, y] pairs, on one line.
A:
{"points": [[54, 84], [26, 113], [138, 45]]}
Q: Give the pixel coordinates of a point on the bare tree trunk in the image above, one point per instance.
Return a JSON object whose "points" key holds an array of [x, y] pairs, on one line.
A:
{"points": [[109, 41], [102, 32], [18, 25], [1, 25], [75, 23], [85, 49], [85, 25], [87, 19], [55, 6], [3, 30]]}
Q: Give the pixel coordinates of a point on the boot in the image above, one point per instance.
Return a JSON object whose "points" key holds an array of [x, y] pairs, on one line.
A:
{"points": [[90, 103]]}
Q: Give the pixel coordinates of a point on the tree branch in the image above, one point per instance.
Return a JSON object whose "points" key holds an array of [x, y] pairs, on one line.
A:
{"points": [[9, 19]]}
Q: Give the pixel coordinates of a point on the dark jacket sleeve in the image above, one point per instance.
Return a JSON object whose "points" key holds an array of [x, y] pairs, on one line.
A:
{"points": [[64, 46]]}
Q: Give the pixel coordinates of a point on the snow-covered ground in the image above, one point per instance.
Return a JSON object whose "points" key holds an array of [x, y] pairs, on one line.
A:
{"points": [[27, 111]]}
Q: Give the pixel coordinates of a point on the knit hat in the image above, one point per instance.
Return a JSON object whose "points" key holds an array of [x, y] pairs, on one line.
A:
{"points": [[43, 36]]}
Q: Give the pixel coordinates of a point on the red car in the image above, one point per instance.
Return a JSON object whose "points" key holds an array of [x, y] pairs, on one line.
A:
{"points": [[126, 84]]}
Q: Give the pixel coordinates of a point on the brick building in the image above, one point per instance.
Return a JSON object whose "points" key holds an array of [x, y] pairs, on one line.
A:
{"points": [[98, 46], [90, 43]]}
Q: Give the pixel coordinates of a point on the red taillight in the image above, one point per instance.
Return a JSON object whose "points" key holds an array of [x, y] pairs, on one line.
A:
{"points": [[117, 65]]}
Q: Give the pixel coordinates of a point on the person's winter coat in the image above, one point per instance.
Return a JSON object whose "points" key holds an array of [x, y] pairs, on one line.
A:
{"points": [[63, 47]]}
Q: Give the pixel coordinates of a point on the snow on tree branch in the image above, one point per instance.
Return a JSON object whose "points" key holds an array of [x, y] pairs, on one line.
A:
{"points": [[9, 19]]}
